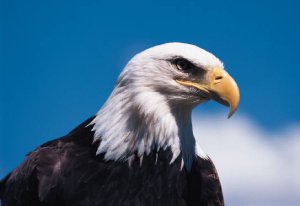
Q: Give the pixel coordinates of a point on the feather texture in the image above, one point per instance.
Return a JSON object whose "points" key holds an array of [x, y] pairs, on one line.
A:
{"points": [[67, 172]]}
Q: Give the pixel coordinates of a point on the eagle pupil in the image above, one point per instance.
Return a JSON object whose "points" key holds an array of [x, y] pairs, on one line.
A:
{"points": [[183, 65]]}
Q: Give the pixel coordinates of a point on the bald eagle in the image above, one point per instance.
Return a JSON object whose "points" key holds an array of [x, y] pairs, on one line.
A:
{"points": [[139, 148]]}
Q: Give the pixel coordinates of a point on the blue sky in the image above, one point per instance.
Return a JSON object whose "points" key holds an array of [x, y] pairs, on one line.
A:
{"points": [[59, 60]]}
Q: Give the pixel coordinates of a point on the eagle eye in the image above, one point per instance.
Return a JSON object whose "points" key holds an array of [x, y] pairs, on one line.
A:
{"points": [[184, 65]]}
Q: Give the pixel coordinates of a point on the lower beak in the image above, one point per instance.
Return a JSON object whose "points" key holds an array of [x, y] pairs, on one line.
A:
{"points": [[221, 88]]}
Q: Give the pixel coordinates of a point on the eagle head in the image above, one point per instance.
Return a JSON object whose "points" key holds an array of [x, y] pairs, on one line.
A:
{"points": [[185, 75], [150, 106]]}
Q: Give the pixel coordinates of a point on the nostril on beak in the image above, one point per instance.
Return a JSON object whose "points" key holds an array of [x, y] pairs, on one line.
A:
{"points": [[219, 77]]}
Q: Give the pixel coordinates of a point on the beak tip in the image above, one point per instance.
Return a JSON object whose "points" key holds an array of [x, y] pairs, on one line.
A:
{"points": [[232, 111]]}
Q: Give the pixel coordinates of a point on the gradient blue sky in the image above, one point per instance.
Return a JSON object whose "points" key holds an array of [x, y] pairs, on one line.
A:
{"points": [[59, 59]]}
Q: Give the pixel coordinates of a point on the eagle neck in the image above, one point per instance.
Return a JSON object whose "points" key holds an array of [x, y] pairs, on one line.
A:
{"points": [[135, 125], [185, 134]]}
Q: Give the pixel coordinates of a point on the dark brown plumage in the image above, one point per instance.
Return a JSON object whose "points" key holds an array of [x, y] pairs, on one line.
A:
{"points": [[66, 172]]}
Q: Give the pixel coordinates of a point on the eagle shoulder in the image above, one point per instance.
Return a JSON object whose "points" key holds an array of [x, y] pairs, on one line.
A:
{"points": [[204, 183], [45, 168]]}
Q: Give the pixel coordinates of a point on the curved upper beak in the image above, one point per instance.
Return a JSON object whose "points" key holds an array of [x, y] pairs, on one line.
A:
{"points": [[221, 87]]}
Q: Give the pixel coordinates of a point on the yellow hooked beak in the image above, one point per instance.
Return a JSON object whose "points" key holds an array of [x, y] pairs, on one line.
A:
{"points": [[221, 87]]}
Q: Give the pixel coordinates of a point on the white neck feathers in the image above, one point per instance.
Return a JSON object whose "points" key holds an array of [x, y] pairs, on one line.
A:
{"points": [[142, 122]]}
